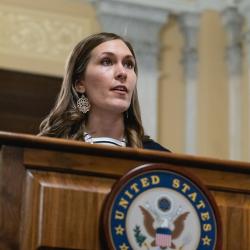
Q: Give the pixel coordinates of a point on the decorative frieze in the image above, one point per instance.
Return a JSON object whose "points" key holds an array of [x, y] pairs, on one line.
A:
{"points": [[38, 41], [38, 34], [182, 6]]}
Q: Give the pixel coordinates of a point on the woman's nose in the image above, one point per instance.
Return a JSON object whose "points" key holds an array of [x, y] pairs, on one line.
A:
{"points": [[121, 73]]}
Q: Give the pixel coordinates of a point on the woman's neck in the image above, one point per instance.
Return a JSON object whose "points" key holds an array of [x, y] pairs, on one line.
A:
{"points": [[105, 126]]}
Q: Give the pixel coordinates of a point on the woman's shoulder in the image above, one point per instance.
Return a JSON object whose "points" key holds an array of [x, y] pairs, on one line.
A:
{"points": [[148, 143]]}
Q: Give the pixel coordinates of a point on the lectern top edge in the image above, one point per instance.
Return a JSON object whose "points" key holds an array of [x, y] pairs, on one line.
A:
{"points": [[72, 146]]}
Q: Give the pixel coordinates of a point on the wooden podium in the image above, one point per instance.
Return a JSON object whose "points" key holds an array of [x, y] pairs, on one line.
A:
{"points": [[52, 191]]}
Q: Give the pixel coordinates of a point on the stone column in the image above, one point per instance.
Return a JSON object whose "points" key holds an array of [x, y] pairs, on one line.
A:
{"points": [[141, 26], [245, 11], [233, 25], [189, 23]]}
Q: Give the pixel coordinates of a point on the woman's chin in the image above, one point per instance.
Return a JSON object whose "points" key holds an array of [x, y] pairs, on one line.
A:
{"points": [[120, 107], [120, 110], [111, 107]]}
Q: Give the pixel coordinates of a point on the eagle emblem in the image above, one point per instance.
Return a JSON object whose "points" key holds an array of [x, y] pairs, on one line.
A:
{"points": [[163, 228], [156, 208]]}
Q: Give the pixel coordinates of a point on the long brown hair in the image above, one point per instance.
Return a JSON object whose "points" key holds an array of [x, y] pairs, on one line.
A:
{"points": [[65, 120]]}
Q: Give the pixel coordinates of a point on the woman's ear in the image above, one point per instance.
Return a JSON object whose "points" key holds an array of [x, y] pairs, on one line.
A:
{"points": [[80, 88]]}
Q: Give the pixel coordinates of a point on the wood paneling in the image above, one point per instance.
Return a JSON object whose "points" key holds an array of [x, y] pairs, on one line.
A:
{"points": [[235, 215], [25, 99], [52, 191], [11, 186], [61, 210]]}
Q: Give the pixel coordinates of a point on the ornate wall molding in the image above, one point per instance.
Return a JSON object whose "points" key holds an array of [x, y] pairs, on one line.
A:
{"points": [[180, 6], [39, 35], [233, 23]]}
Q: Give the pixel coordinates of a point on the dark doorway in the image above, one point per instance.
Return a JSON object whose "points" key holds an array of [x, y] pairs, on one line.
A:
{"points": [[25, 100]]}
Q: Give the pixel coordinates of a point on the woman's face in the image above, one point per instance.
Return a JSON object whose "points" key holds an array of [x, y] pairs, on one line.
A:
{"points": [[110, 79]]}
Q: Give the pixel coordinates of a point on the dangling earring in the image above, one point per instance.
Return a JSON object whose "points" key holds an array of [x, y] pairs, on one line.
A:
{"points": [[83, 104]]}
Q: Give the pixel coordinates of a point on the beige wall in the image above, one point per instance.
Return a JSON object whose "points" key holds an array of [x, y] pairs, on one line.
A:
{"points": [[171, 89], [213, 90]]}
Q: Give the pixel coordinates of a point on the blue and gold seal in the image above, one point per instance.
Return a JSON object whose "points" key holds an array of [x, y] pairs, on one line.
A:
{"points": [[156, 207]]}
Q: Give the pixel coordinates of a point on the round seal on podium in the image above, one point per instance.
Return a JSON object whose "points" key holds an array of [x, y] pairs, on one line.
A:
{"points": [[157, 207]]}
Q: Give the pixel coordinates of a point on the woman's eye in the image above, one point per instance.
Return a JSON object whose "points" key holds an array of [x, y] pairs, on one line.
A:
{"points": [[129, 64], [106, 61]]}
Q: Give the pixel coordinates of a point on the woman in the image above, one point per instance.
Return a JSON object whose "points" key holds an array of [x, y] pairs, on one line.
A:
{"points": [[98, 101]]}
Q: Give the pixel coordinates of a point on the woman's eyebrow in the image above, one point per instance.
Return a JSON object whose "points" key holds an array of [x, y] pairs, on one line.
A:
{"points": [[114, 54], [130, 57]]}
